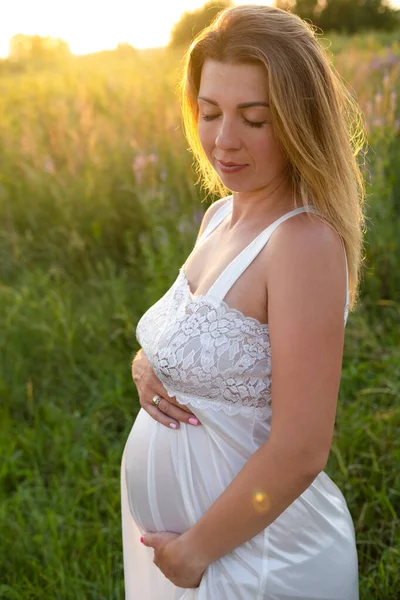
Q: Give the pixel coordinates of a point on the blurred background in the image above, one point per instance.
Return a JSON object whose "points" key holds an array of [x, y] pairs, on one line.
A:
{"points": [[98, 210]]}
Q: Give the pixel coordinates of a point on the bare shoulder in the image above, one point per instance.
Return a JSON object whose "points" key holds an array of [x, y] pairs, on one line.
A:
{"points": [[304, 237], [210, 212], [305, 266]]}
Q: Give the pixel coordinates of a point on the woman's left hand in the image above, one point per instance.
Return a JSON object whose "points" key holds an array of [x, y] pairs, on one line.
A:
{"points": [[170, 556]]}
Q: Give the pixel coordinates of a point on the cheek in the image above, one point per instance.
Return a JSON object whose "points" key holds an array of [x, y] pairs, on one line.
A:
{"points": [[267, 146]]}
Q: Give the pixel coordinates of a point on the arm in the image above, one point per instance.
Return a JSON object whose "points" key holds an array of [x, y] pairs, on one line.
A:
{"points": [[306, 295]]}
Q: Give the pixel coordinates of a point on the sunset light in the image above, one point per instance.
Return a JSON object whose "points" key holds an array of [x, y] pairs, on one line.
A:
{"points": [[90, 26]]}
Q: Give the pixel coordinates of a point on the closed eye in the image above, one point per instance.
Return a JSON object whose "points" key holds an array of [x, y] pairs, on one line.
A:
{"points": [[256, 124]]}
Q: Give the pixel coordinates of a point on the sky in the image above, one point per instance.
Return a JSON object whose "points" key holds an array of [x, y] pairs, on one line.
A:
{"points": [[93, 25]]}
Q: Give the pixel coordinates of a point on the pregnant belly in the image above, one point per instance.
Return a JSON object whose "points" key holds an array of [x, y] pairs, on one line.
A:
{"points": [[173, 476]]}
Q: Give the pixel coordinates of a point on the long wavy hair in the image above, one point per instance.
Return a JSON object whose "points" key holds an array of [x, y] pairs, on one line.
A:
{"points": [[315, 118]]}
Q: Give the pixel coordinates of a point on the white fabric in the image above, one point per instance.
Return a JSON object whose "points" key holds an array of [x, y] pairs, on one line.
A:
{"points": [[216, 360]]}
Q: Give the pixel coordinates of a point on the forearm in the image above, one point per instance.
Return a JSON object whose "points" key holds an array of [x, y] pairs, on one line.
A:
{"points": [[267, 484]]}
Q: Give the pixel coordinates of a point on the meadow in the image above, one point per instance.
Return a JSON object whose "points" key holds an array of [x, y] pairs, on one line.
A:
{"points": [[99, 209]]}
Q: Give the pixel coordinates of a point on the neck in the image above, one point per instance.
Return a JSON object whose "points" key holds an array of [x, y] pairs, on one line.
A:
{"points": [[263, 204]]}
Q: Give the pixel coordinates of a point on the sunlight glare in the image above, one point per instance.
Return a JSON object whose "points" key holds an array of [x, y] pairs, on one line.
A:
{"points": [[91, 26]]}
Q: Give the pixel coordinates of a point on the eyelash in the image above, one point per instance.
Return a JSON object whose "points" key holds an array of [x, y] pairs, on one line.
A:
{"points": [[257, 125]]}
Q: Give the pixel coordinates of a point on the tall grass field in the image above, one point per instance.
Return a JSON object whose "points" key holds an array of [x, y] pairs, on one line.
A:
{"points": [[99, 208]]}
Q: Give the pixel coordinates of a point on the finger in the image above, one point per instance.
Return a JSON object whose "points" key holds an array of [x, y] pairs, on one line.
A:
{"points": [[175, 402], [168, 414], [177, 412], [159, 416], [161, 392], [148, 540]]}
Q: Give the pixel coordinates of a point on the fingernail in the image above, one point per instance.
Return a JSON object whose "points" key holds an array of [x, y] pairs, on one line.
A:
{"points": [[193, 421], [173, 425], [142, 539]]}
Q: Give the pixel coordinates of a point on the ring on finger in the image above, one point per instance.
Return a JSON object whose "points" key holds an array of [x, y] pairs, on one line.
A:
{"points": [[156, 400]]}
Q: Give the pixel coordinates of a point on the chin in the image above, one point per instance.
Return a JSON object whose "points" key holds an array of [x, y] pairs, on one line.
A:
{"points": [[237, 188]]}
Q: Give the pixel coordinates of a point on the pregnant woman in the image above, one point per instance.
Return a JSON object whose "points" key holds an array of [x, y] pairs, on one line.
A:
{"points": [[224, 494]]}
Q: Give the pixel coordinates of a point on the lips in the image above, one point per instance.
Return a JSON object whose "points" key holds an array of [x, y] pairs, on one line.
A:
{"points": [[231, 164]]}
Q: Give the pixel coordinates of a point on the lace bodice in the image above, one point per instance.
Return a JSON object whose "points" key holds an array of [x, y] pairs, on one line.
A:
{"points": [[206, 353]]}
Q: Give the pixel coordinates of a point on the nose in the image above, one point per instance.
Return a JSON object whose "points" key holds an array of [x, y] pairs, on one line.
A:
{"points": [[227, 137]]}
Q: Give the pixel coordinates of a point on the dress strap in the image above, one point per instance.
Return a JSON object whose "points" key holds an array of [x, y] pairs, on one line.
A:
{"points": [[215, 220], [229, 276], [239, 264], [346, 308]]}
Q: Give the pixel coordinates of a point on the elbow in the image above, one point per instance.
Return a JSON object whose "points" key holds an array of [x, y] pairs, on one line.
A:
{"points": [[315, 462], [307, 462]]}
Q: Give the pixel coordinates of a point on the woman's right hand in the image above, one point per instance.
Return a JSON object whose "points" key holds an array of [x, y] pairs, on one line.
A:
{"points": [[168, 412]]}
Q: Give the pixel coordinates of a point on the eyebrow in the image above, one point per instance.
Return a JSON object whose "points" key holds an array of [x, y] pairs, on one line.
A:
{"points": [[242, 105]]}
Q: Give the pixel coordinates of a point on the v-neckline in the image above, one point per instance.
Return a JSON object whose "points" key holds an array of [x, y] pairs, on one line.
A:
{"points": [[236, 257], [213, 300], [201, 241]]}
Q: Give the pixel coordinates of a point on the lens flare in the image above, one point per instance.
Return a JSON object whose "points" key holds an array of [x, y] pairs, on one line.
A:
{"points": [[261, 501]]}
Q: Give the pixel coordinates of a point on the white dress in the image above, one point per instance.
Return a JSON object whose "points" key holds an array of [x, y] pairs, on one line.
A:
{"points": [[217, 361]]}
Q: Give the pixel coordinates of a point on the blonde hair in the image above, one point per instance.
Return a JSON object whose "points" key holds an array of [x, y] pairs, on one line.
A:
{"points": [[317, 122]]}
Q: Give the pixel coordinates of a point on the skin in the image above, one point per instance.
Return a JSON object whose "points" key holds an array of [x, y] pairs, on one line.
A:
{"points": [[230, 133], [305, 315], [148, 385]]}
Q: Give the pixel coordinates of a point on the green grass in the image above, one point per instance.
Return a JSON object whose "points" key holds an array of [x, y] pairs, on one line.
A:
{"points": [[98, 210]]}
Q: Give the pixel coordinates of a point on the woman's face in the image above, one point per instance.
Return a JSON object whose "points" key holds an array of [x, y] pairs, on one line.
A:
{"points": [[234, 125]]}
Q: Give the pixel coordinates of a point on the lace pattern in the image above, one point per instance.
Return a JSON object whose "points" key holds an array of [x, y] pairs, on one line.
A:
{"points": [[207, 354], [259, 327]]}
